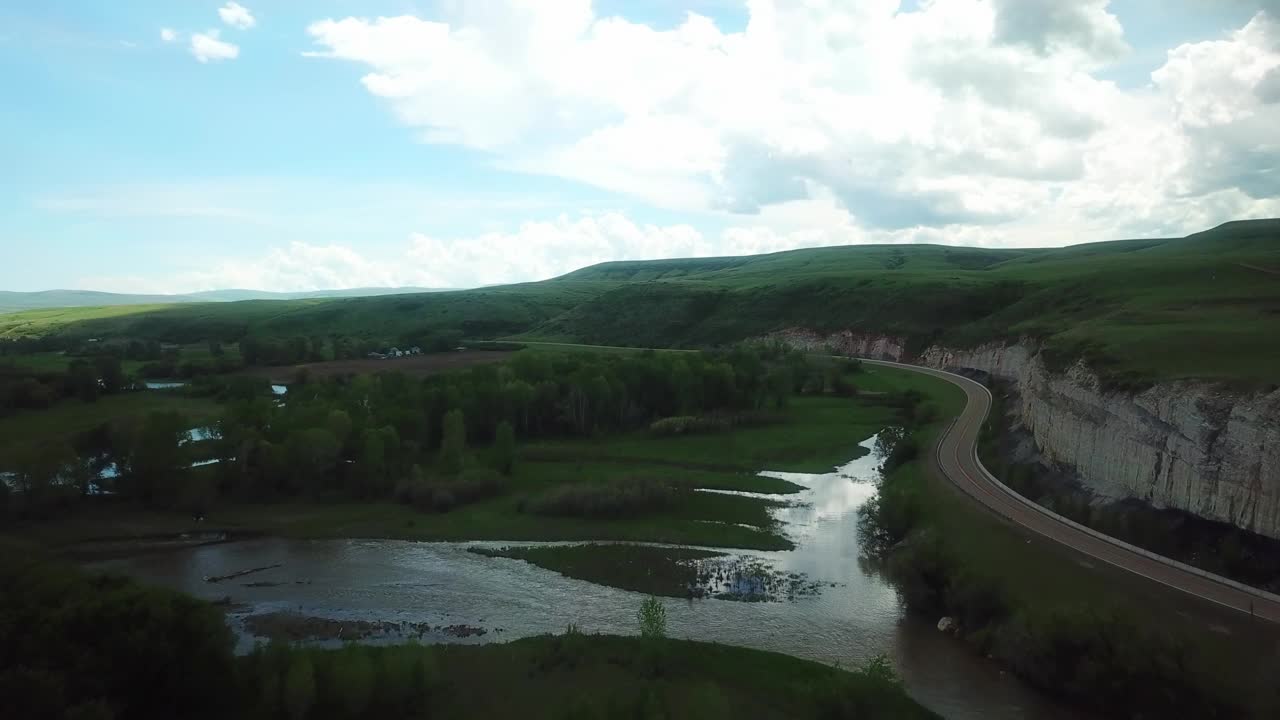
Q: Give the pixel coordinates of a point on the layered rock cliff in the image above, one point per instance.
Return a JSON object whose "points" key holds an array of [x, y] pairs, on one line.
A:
{"points": [[845, 342], [1191, 446]]}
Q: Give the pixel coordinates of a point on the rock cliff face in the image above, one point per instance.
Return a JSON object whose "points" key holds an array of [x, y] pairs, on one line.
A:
{"points": [[1190, 446], [845, 342]]}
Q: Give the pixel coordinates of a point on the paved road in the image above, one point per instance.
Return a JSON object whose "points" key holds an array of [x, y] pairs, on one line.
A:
{"points": [[958, 459]]}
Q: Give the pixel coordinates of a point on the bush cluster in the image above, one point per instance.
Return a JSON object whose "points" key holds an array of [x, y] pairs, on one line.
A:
{"points": [[709, 424], [443, 494], [625, 498]]}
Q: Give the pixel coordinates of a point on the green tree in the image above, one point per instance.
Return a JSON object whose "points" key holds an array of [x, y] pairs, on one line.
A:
{"points": [[313, 453], [339, 423], [250, 350], [652, 618], [504, 448], [157, 453], [453, 446], [82, 381], [112, 374], [373, 462], [39, 470], [300, 687]]}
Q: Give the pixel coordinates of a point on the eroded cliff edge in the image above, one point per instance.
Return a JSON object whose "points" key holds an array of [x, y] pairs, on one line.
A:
{"points": [[1198, 447]]}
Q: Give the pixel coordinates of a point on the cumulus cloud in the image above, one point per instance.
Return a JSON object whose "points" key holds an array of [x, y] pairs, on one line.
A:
{"points": [[168, 35], [206, 47], [1046, 25], [984, 117], [237, 16], [962, 112], [1224, 96]]}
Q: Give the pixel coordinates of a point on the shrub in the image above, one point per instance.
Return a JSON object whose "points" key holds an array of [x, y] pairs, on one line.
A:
{"points": [[603, 500], [299, 687], [921, 569], [652, 617], [444, 494], [74, 641], [976, 602], [1110, 663], [352, 678], [686, 425], [453, 445], [504, 448], [707, 424]]}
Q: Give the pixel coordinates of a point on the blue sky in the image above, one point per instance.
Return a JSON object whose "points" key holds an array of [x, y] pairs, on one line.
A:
{"points": [[287, 146]]}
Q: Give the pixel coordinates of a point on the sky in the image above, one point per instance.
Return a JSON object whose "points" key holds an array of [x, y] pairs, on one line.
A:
{"points": [[161, 146]]}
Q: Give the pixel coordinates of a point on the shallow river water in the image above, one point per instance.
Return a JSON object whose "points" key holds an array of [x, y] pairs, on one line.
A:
{"points": [[854, 616]]}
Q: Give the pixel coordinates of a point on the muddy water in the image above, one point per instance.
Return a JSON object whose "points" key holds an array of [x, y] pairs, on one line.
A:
{"points": [[855, 616]]}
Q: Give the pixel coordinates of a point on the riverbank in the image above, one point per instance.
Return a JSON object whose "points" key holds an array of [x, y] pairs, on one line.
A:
{"points": [[583, 676]]}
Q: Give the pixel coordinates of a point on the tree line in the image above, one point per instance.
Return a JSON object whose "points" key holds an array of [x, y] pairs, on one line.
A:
{"points": [[435, 442]]}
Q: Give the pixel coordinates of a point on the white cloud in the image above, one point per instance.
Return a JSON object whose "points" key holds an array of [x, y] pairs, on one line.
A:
{"points": [[237, 16], [534, 250], [963, 114], [1046, 25], [168, 35], [1223, 98], [206, 47]]}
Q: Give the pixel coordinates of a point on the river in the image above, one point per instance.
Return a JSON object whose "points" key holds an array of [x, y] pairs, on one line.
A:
{"points": [[855, 615]]}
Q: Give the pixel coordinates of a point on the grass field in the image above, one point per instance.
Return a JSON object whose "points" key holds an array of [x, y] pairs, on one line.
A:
{"points": [[1144, 310], [57, 361], [606, 676]]}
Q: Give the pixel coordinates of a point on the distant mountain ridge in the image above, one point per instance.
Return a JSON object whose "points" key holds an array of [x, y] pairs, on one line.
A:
{"points": [[11, 301]]}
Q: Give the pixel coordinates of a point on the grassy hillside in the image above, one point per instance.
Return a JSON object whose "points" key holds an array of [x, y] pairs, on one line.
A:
{"points": [[487, 312], [1204, 306]]}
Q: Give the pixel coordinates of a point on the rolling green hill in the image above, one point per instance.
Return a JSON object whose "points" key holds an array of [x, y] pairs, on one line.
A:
{"points": [[45, 299], [485, 312], [1205, 306]]}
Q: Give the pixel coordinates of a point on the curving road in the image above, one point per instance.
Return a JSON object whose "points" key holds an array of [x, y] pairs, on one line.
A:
{"points": [[957, 458]]}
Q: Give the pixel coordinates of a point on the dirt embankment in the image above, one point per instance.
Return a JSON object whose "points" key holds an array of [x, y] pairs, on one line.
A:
{"points": [[420, 365]]}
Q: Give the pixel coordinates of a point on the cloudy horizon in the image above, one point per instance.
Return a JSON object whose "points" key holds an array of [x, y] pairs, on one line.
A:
{"points": [[273, 146]]}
